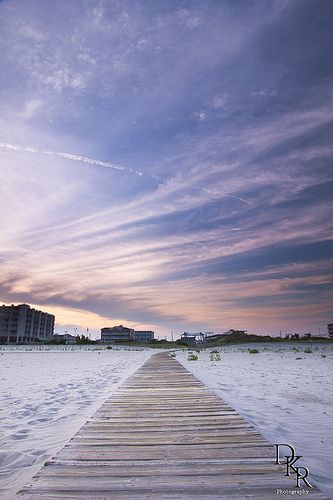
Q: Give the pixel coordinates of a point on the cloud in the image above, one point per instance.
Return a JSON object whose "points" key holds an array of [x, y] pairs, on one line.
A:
{"points": [[63, 79], [219, 102], [264, 93], [223, 152], [31, 107], [200, 116]]}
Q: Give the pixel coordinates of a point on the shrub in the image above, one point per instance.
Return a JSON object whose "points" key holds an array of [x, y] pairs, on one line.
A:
{"points": [[253, 351], [109, 347], [214, 356], [308, 350], [192, 357]]}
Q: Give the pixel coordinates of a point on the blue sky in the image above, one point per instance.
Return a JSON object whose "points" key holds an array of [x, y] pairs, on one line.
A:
{"points": [[168, 164]]}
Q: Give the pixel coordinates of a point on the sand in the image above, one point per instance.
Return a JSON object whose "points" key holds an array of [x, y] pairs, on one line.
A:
{"points": [[285, 393], [46, 396]]}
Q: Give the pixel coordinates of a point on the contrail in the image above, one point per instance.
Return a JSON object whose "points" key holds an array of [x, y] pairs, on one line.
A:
{"points": [[84, 159]]}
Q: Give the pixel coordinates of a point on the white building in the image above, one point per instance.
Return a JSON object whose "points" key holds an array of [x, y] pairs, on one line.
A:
{"points": [[22, 323], [193, 338]]}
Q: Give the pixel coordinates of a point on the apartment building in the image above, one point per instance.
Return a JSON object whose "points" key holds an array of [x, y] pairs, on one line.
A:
{"points": [[112, 333], [22, 323], [122, 333], [143, 335]]}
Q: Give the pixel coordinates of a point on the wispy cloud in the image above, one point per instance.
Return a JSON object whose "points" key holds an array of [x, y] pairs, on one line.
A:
{"points": [[210, 203]]}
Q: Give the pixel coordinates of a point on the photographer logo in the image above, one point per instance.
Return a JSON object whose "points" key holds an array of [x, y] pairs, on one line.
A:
{"points": [[302, 473]]}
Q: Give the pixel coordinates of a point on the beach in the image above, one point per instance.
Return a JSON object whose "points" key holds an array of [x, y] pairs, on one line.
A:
{"points": [[283, 390], [48, 393]]}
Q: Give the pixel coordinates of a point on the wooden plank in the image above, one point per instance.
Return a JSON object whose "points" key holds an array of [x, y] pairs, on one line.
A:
{"points": [[206, 492], [163, 435], [157, 433], [156, 467]]}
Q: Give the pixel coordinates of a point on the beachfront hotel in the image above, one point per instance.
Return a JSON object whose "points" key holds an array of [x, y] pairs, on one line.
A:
{"points": [[22, 323], [122, 333]]}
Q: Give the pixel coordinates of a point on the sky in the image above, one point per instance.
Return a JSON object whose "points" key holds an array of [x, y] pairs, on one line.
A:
{"points": [[167, 164]]}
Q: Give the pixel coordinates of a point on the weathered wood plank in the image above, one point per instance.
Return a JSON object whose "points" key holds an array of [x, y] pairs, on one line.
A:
{"points": [[154, 467], [163, 435], [242, 493]]}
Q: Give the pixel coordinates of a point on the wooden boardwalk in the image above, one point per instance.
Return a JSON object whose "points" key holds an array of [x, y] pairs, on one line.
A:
{"points": [[164, 435]]}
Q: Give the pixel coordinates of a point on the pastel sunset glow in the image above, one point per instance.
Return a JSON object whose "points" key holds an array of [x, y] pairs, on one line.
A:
{"points": [[168, 164]]}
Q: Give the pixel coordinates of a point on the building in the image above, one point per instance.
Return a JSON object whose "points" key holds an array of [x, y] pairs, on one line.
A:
{"points": [[193, 338], [236, 332], [143, 336], [198, 338], [112, 333], [122, 333], [214, 337], [22, 323], [330, 330], [66, 338]]}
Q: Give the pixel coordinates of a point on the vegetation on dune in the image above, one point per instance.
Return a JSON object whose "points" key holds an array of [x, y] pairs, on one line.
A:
{"points": [[245, 338], [214, 355]]}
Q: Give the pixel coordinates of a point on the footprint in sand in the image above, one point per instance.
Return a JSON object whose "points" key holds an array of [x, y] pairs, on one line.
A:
{"points": [[22, 434]]}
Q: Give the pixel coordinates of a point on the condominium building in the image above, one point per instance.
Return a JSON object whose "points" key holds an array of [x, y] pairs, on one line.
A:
{"points": [[122, 333], [22, 323], [112, 333], [143, 335]]}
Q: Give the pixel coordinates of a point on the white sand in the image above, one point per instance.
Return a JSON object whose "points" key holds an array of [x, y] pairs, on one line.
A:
{"points": [[287, 400], [46, 396]]}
